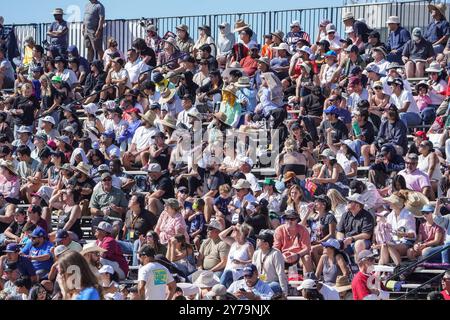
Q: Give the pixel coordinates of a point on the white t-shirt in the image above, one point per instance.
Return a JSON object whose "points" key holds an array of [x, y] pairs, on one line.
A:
{"points": [[405, 96], [143, 137], [329, 293], [250, 177], [156, 278], [68, 76], [135, 69], [122, 74], [335, 43]]}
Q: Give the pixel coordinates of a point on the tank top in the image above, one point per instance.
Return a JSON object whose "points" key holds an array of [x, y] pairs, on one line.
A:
{"points": [[76, 227], [424, 165], [239, 253], [330, 271]]}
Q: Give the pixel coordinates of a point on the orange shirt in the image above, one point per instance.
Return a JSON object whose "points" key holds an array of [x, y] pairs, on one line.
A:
{"points": [[293, 242]]}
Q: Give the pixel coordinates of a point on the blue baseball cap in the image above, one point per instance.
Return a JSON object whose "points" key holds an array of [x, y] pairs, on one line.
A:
{"points": [[61, 234], [427, 208], [12, 247], [332, 110], [250, 270], [109, 134], [331, 53], [332, 243], [38, 233]]}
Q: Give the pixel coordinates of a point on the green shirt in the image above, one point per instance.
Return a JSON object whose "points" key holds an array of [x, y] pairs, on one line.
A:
{"points": [[101, 200], [233, 113]]}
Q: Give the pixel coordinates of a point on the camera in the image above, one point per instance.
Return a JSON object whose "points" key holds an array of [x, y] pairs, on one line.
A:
{"points": [[445, 201]]}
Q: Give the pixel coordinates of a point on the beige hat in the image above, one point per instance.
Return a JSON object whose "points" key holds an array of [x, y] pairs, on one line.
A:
{"points": [[222, 117], [189, 289], [172, 41], [343, 284], [415, 202], [393, 19], [205, 279], [243, 82], [194, 113], [167, 95], [58, 11], [149, 116], [183, 27], [92, 247], [283, 46], [395, 200], [83, 168], [242, 184], [279, 34], [231, 88], [441, 7], [240, 25], [347, 16], [169, 121], [8, 165]]}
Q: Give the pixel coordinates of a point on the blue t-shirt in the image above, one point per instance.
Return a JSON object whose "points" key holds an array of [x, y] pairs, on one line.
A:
{"points": [[222, 204], [88, 294], [40, 251], [345, 115], [197, 224]]}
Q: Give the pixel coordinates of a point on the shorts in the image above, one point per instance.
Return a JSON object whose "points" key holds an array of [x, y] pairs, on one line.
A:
{"points": [[351, 248], [92, 43]]}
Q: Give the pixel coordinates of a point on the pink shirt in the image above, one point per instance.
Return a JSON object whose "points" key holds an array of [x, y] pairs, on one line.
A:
{"points": [[168, 227], [291, 242], [428, 233], [10, 188], [416, 180]]}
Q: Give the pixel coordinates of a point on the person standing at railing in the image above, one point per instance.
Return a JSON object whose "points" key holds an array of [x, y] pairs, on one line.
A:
{"points": [[438, 30], [59, 32], [94, 19]]}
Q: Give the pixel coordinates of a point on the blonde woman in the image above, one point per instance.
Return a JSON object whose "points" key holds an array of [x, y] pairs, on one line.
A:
{"points": [[240, 254], [294, 201], [338, 203]]}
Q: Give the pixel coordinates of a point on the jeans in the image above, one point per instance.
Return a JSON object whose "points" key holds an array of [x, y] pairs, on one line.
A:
{"points": [[130, 248], [276, 288], [411, 118], [227, 278], [444, 257], [429, 114]]}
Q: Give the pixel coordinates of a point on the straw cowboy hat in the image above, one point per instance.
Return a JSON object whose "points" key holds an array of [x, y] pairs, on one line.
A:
{"points": [[8, 165], [231, 88], [240, 25], [205, 279], [171, 41], [149, 116], [169, 121], [343, 284], [415, 202], [441, 7], [91, 247], [58, 11], [283, 46], [83, 168], [167, 95], [243, 82], [222, 117], [279, 34]]}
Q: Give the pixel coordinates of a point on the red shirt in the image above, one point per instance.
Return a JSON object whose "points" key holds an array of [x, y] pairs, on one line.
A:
{"points": [[445, 294], [249, 65], [359, 286], [114, 252]]}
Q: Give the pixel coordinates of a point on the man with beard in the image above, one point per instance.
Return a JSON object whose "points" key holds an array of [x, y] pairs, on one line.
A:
{"points": [[39, 252], [251, 287], [160, 188], [91, 252]]}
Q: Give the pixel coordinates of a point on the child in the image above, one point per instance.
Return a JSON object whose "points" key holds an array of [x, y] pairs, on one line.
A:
{"points": [[222, 201], [14, 231], [383, 230], [197, 223], [422, 99]]}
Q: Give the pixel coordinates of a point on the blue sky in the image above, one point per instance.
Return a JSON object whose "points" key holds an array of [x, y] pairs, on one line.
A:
{"points": [[40, 11]]}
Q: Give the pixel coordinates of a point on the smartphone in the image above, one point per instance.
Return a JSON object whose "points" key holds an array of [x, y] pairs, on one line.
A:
{"points": [[242, 290], [445, 201]]}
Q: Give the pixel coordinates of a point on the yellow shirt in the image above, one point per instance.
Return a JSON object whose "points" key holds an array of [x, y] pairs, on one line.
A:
{"points": [[28, 56]]}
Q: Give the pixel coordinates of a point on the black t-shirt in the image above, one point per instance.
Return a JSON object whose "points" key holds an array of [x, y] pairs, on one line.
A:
{"points": [[368, 132], [163, 183], [213, 182], [148, 52], [353, 225], [139, 225], [313, 105], [28, 105], [89, 183], [44, 170], [341, 131]]}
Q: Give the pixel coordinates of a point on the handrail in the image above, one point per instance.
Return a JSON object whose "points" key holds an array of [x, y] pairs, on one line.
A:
{"points": [[413, 265], [421, 286]]}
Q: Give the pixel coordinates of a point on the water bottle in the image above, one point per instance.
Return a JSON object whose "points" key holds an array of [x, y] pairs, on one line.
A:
{"points": [[293, 273], [356, 129]]}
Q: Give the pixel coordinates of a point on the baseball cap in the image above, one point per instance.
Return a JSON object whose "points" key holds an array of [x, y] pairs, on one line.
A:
{"points": [[154, 168], [356, 197], [332, 243], [105, 226], [12, 247], [59, 250], [250, 270], [421, 134], [38, 233], [109, 134], [332, 110], [365, 254], [427, 208], [352, 48], [148, 251], [61, 234], [308, 284], [11, 266], [106, 269], [416, 33], [331, 53], [354, 81], [173, 203], [49, 119], [265, 235]]}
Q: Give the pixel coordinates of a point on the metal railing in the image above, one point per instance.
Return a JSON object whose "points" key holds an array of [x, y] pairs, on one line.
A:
{"points": [[421, 286], [412, 14]]}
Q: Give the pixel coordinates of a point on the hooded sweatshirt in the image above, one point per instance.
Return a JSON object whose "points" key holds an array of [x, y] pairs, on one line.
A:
{"points": [[225, 41]]}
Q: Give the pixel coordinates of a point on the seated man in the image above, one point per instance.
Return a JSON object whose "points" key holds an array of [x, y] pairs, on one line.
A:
{"points": [[39, 252], [160, 188], [387, 164], [213, 252], [251, 287], [356, 226], [416, 179], [24, 265], [113, 255], [270, 263], [294, 242], [63, 238], [416, 54]]}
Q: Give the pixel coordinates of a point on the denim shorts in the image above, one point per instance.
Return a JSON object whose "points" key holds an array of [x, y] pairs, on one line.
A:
{"points": [[351, 248]]}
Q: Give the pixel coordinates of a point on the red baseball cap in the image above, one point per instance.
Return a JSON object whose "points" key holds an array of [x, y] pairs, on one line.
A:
{"points": [[421, 134]]}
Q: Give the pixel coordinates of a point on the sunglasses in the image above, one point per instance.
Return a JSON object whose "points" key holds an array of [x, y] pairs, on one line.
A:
{"points": [[107, 180], [248, 276], [377, 88], [410, 163]]}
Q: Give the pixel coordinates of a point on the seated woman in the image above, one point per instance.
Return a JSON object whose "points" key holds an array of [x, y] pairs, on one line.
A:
{"points": [[240, 254], [69, 219], [403, 227], [338, 203], [430, 235], [332, 263], [295, 201], [345, 156], [332, 175], [181, 254], [292, 160], [405, 103], [270, 94], [230, 106], [322, 225]]}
